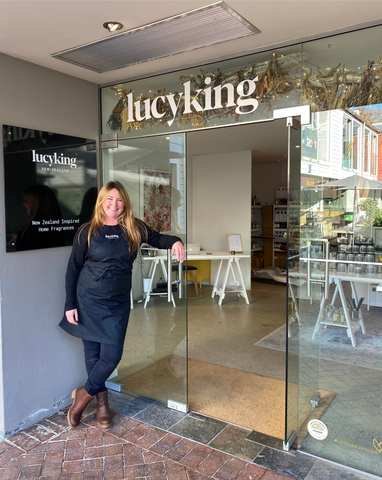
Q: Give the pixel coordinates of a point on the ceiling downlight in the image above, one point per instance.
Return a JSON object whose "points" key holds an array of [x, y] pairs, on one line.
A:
{"points": [[198, 28], [112, 26]]}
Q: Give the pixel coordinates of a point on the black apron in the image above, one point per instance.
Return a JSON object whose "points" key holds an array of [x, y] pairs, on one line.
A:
{"points": [[103, 289]]}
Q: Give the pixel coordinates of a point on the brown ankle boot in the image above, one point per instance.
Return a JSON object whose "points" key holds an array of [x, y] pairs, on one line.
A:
{"points": [[104, 415], [80, 400]]}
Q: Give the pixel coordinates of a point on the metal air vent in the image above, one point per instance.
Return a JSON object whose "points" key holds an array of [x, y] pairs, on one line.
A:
{"points": [[191, 30]]}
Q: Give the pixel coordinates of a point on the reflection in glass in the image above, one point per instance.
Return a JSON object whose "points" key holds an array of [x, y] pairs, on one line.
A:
{"points": [[339, 338], [342, 71], [41, 204]]}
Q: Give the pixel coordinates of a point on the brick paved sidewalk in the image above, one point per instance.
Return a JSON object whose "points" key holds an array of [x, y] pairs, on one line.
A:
{"points": [[130, 449]]}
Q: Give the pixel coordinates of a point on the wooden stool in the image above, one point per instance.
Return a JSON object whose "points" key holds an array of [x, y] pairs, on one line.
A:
{"points": [[186, 269]]}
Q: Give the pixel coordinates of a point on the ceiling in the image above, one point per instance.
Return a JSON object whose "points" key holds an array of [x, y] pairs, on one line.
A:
{"points": [[33, 30], [266, 140]]}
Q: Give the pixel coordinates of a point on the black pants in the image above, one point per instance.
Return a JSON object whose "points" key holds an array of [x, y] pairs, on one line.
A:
{"points": [[100, 359]]}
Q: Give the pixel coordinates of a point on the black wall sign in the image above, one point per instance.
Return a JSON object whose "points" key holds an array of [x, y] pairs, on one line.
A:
{"points": [[50, 187]]}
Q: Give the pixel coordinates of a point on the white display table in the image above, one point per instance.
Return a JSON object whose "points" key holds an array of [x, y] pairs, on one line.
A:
{"points": [[351, 326], [214, 256]]}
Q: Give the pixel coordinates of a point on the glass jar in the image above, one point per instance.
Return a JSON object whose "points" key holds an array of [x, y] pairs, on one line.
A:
{"points": [[341, 268], [370, 269], [358, 270]]}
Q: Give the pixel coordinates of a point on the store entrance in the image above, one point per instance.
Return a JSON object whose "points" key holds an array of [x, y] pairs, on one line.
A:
{"points": [[198, 336], [236, 176]]}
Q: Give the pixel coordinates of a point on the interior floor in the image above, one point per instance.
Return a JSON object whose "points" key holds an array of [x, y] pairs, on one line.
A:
{"points": [[223, 336]]}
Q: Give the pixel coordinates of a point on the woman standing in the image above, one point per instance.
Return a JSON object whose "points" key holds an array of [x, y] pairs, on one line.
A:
{"points": [[98, 284]]}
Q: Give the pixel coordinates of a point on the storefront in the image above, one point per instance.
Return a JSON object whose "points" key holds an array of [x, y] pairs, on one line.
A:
{"points": [[297, 132]]}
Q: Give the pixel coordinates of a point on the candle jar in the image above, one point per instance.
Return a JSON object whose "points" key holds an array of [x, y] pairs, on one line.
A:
{"points": [[358, 270], [341, 268]]}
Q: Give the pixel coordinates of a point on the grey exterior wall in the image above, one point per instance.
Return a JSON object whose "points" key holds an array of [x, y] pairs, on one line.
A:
{"points": [[39, 364]]}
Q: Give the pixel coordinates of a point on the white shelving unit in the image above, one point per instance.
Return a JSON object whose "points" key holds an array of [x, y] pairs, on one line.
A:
{"points": [[279, 217], [256, 218]]}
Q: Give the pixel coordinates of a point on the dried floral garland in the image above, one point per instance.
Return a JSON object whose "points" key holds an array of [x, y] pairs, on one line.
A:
{"points": [[333, 89], [341, 88]]}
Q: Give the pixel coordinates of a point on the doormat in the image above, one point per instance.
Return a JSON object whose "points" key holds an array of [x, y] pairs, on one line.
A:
{"points": [[242, 398], [331, 343]]}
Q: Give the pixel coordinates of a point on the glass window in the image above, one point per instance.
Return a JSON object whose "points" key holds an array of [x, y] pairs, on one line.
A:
{"points": [[338, 309], [240, 90], [355, 148], [342, 71], [322, 134], [373, 154], [347, 143], [366, 162]]}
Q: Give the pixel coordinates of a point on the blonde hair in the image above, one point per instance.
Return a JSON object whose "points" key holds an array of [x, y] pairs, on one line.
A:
{"points": [[133, 230]]}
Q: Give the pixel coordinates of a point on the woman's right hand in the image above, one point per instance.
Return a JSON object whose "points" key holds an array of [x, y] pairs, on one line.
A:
{"points": [[72, 316]]}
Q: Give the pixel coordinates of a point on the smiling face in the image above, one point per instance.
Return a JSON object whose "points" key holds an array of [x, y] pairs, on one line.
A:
{"points": [[112, 207]]}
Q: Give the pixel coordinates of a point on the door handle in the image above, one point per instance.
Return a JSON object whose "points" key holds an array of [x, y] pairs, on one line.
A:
{"points": [[169, 279]]}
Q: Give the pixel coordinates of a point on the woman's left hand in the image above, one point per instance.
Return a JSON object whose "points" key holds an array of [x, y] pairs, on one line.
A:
{"points": [[180, 252]]}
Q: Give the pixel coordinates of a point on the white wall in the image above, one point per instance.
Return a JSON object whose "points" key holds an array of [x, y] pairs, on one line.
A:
{"points": [[40, 364], [220, 203], [265, 178]]}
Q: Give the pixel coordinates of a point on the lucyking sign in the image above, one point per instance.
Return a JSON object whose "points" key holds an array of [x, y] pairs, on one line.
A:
{"points": [[245, 103], [55, 159]]}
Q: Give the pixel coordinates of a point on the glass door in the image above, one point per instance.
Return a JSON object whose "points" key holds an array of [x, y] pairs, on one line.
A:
{"points": [[334, 373], [154, 362], [303, 300]]}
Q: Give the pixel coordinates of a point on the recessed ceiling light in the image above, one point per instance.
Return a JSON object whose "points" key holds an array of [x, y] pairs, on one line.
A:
{"points": [[112, 26]]}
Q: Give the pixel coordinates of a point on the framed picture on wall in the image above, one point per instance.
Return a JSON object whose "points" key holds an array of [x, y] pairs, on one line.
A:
{"points": [[157, 193], [234, 242]]}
